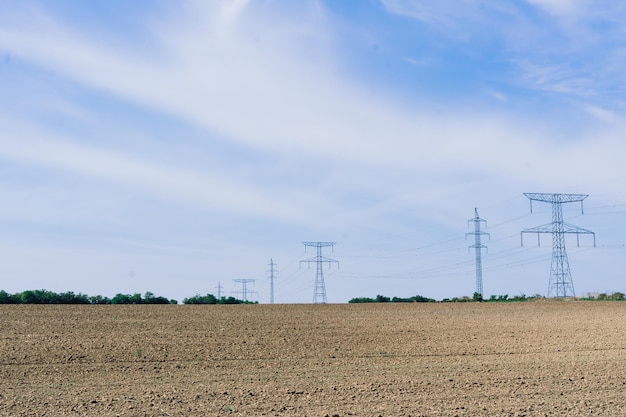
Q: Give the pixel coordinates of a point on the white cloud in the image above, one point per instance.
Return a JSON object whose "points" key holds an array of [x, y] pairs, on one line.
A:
{"points": [[249, 84], [173, 183], [497, 95], [604, 115], [245, 91], [569, 48], [237, 71], [562, 7], [444, 13]]}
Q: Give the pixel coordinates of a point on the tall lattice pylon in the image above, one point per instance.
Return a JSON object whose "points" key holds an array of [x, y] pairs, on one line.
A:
{"points": [[478, 247], [272, 271], [319, 295], [219, 290], [560, 284]]}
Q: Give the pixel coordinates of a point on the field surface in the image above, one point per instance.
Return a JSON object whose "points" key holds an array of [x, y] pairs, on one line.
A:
{"points": [[489, 359]]}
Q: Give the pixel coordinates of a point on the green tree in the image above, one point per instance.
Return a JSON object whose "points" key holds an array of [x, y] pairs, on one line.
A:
{"points": [[201, 299], [6, 298], [121, 299], [382, 299], [98, 299], [70, 298], [34, 297], [229, 300]]}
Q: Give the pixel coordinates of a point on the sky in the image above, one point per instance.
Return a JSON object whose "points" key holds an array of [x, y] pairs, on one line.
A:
{"points": [[175, 147]]}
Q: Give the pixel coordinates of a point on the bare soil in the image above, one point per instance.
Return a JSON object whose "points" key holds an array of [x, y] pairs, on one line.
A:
{"points": [[490, 359]]}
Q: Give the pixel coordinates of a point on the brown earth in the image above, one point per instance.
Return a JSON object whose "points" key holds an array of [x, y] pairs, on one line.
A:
{"points": [[489, 359]]}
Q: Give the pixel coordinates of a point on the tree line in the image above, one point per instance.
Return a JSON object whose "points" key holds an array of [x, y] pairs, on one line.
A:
{"points": [[383, 299], [211, 299], [616, 296], [69, 297]]}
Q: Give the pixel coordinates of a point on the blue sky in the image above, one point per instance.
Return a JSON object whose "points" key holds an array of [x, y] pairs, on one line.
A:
{"points": [[171, 146]]}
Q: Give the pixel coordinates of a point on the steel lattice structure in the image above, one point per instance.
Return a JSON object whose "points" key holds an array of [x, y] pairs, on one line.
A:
{"points": [[272, 271], [319, 295], [244, 288], [560, 284], [219, 290], [478, 247]]}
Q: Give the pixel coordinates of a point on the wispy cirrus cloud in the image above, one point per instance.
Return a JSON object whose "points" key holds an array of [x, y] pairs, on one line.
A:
{"points": [[561, 7], [238, 73], [206, 189], [564, 47]]}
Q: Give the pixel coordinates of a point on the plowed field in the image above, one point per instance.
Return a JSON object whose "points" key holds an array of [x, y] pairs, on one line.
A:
{"points": [[498, 359]]}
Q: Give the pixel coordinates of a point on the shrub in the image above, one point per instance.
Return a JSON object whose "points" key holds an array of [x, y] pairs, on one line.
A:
{"points": [[360, 300]]}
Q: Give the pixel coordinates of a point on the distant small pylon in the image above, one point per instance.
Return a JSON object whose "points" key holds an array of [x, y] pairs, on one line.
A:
{"points": [[272, 271], [219, 290], [244, 290], [478, 247]]}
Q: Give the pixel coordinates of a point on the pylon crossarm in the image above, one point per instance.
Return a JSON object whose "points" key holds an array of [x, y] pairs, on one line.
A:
{"points": [[587, 232], [322, 259], [570, 228], [308, 260], [477, 220], [469, 248], [318, 244], [544, 228], [477, 233], [556, 198]]}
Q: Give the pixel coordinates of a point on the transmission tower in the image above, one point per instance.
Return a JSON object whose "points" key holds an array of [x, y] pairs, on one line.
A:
{"points": [[219, 290], [319, 295], [478, 247], [272, 271], [560, 284], [244, 288]]}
